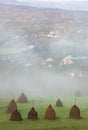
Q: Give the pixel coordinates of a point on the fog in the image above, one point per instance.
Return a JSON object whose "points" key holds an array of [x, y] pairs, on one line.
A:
{"points": [[32, 55], [35, 80], [41, 85], [24, 71]]}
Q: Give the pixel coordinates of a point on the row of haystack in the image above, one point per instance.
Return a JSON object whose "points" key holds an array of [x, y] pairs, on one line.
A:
{"points": [[50, 113], [12, 106], [23, 99], [16, 116]]}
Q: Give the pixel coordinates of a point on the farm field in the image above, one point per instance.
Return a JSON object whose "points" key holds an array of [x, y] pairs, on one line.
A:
{"points": [[40, 104], [44, 52]]}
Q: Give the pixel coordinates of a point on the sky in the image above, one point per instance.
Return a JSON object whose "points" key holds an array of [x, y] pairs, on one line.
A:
{"points": [[62, 4], [51, 0]]}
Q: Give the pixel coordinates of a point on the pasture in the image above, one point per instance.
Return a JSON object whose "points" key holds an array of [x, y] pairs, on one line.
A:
{"points": [[41, 103]]}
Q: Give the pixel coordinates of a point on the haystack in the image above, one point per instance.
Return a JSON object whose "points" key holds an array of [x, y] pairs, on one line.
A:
{"points": [[59, 103], [22, 98], [74, 112], [50, 113], [12, 107], [16, 116], [77, 93], [32, 114]]}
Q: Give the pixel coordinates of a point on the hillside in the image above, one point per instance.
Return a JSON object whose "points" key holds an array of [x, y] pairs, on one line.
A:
{"points": [[48, 38]]}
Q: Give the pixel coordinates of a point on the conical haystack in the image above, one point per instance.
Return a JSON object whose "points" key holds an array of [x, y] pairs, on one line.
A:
{"points": [[12, 107], [59, 103], [74, 112], [22, 98], [16, 116], [77, 93], [32, 114], [50, 113]]}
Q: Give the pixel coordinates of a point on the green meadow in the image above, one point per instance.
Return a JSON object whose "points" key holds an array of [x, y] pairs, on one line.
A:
{"points": [[63, 122]]}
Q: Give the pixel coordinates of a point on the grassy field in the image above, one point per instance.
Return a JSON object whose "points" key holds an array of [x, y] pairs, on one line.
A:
{"points": [[40, 103]]}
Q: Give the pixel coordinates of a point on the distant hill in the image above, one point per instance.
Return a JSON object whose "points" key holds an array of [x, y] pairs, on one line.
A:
{"points": [[69, 5], [44, 37]]}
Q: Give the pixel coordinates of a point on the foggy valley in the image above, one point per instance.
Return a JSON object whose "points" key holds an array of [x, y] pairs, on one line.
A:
{"points": [[42, 55]]}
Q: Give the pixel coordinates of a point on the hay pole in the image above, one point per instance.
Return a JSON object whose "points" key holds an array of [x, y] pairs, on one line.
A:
{"points": [[75, 100]]}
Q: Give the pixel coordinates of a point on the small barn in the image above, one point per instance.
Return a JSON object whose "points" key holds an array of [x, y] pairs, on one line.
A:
{"points": [[59, 103], [16, 116], [22, 98], [50, 113], [12, 107], [32, 114], [74, 112]]}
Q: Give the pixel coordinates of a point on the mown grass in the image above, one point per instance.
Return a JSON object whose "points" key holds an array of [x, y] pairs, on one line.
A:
{"points": [[61, 123]]}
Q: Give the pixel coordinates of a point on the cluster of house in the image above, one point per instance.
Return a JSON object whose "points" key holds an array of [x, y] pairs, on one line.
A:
{"points": [[50, 113]]}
